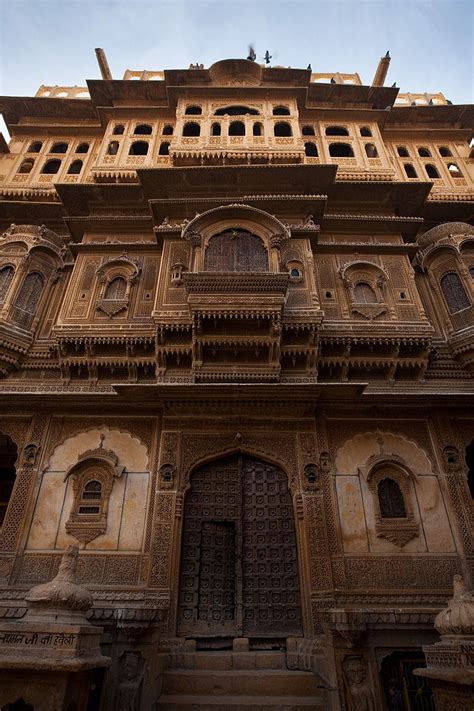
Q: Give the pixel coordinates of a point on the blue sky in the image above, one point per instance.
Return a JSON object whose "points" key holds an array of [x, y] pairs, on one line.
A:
{"points": [[52, 42]]}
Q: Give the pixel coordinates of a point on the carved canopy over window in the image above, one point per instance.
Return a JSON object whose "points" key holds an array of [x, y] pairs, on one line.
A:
{"points": [[391, 488], [236, 250], [391, 500]]}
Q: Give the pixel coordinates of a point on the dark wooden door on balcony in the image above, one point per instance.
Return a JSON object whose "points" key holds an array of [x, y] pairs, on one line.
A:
{"points": [[239, 570]]}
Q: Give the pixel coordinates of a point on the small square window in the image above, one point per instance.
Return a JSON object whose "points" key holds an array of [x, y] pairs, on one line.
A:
{"points": [[328, 295]]}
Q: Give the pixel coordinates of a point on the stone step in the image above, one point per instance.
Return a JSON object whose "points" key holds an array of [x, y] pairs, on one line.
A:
{"points": [[191, 702], [239, 660], [238, 681]]}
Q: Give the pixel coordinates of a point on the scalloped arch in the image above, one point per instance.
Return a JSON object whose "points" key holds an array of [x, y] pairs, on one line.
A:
{"points": [[234, 212], [355, 264], [363, 448], [132, 453]]}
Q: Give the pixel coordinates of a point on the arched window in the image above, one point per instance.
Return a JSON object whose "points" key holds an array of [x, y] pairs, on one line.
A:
{"points": [[143, 129], [311, 150], [139, 148], [116, 289], [391, 500], [257, 129], [75, 167], [281, 111], [282, 129], [112, 148], [444, 152], [431, 171], [454, 293], [364, 294], [237, 128], [164, 149], [82, 148], [26, 166], [236, 110], [28, 298], [341, 150], [193, 111], [454, 170], [6, 276], [424, 152], [307, 131], [8, 455], [35, 147], [192, 129], [216, 129], [410, 171], [365, 132], [119, 130], [51, 167], [336, 131], [167, 130], [59, 148], [470, 467], [402, 152], [370, 150], [236, 250], [91, 492]]}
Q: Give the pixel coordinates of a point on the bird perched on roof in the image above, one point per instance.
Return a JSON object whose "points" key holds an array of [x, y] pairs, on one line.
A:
{"points": [[308, 68], [333, 81], [394, 85], [268, 56], [252, 56]]}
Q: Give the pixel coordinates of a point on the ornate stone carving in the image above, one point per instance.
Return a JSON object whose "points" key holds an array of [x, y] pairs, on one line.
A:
{"points": [[131, 672], [359, 692]]}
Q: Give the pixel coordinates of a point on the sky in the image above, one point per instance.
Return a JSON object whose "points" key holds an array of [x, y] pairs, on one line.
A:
{"points": [[52, 42]]}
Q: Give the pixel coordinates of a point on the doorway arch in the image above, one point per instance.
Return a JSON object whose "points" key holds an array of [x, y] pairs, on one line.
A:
{"points": [[239, 562]]}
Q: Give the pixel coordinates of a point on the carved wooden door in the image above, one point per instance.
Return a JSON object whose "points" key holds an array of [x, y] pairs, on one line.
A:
{"points": [[239, 571]]}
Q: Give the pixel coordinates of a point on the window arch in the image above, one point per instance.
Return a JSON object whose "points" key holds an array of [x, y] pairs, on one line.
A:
{"points": [[116, 289], [139, 148], [236, 110], [454, 292], [341, 150], [82, 148], [35, 147], [90, 498], [164, 149], [51, 167], [371, 150], [336, 131], [26, 166], [75, 167], [191, 129], [27, 299], [424, 152], [308, 131], [6, 276], [281, 111], [112, 148], [410, 171], [431, 171], [167, 130], [364, 294], [236, 250], [365, 132], [444, 152], [402, 152], [454, 170], [311, 149], [143, 129], [193, 111], [119, 130], [282, 129], [8, 457], [237, 128], [257, 129], [216, 129], [59, 148], [391, 502]]}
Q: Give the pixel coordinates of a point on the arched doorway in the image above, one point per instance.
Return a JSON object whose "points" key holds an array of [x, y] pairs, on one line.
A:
{"points": [[239, 569]]}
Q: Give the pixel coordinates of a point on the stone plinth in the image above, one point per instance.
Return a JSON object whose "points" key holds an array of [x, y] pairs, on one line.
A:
{"points": [[48, 658], [450, 662]]}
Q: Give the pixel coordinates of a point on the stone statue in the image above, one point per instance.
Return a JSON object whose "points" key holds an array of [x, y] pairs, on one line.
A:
{"points": [[130, 682], [360, 697]]}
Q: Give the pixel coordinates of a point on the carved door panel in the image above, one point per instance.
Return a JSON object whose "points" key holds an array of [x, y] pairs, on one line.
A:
{"points": [[236, 251], [239, 571], [271, 600]]}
